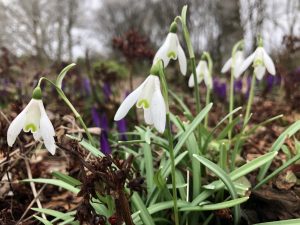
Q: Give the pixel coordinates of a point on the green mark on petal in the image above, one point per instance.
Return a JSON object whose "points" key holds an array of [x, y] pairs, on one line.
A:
{"points": [[30, 127], [258, 62], [143, 103], [172, 55]]}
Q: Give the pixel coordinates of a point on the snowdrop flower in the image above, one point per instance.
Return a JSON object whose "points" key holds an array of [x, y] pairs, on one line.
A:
{"points": [[261, 62], [149, 97], [235, 64], [171, 49], [202, 72], [33, 119]]}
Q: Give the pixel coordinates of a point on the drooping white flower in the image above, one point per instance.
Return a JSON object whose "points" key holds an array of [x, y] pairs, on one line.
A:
{"points": [[261, 62], [171, 49], [237, 62], [149, 97], [202, 73], [33, 119]]}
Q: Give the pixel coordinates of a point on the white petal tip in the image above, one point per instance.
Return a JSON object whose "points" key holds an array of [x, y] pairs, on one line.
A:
{"points": [[160, 130], [52, 151], [117, 118]]}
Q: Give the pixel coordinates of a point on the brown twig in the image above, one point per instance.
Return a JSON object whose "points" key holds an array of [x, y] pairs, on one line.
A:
{"points": [[31, 203], [32, 185]]}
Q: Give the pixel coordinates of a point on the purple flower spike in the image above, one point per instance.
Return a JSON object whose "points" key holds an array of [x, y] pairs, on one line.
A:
{"points": [[106, 91], [220, 88], [238, 85], [122, 128], [104, 143], [223, 90], [87, 85], [95, 117], [104, 122]]}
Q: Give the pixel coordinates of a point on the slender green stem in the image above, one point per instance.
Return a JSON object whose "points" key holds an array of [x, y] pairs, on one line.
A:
{"points": [[250, 99], [207, 100], [196, 88], [187, 38], [235, 48], [231, 101], [188, 42], [172, 158], [170, 140], [69, 104]]}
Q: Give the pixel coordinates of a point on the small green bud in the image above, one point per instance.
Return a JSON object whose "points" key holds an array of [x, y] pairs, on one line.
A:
{"points": [[240, 47], [203, 56], [155, 68], [37, 93], [260, 41], [173, 27]]}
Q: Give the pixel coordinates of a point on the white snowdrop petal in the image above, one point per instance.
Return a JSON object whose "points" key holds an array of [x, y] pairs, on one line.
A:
{"points": [[269, 63], [37, 135], [162, 53], [33, 115], [182, 60], [191, 81], [158, 109], [207, 79], [148, 116], [245, 64], [172, 52], [46, 118], [226, 66], [15, 128], [46, 129], [129, 101], [239, 59], [259, 72]]}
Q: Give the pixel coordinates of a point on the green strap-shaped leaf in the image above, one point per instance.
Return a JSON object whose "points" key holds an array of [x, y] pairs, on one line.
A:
{"points": [[217, 206], [55, 182], [278, 170], [226, 180], [290, 131], [236, 174], [143, 212], [66, 178], [44, 221], [282, 222], [157, 208], [54, 213]]}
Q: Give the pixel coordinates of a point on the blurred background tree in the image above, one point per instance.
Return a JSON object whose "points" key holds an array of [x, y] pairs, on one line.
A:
{"points": [[63, 30]]}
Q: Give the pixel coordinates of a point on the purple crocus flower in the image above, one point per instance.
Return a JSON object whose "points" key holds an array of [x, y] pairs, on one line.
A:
{"points": [[238, 85], [106, 91], [104, 122], [95, 117], [87, 85], [220, 88], [122, 128], [104, 143], [249, 79]]}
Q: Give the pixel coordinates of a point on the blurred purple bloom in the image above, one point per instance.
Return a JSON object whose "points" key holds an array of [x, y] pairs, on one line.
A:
{"points": [[104, 143], [122, 128], [95, 117], [106, 91], [220, 88], [272, 81], [87, 85], [249, 79], [104, 122], [238, 85]]}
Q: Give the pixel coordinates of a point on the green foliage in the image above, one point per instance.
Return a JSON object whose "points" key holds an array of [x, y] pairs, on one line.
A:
{"points": [[110, 68], [200, 158]]}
